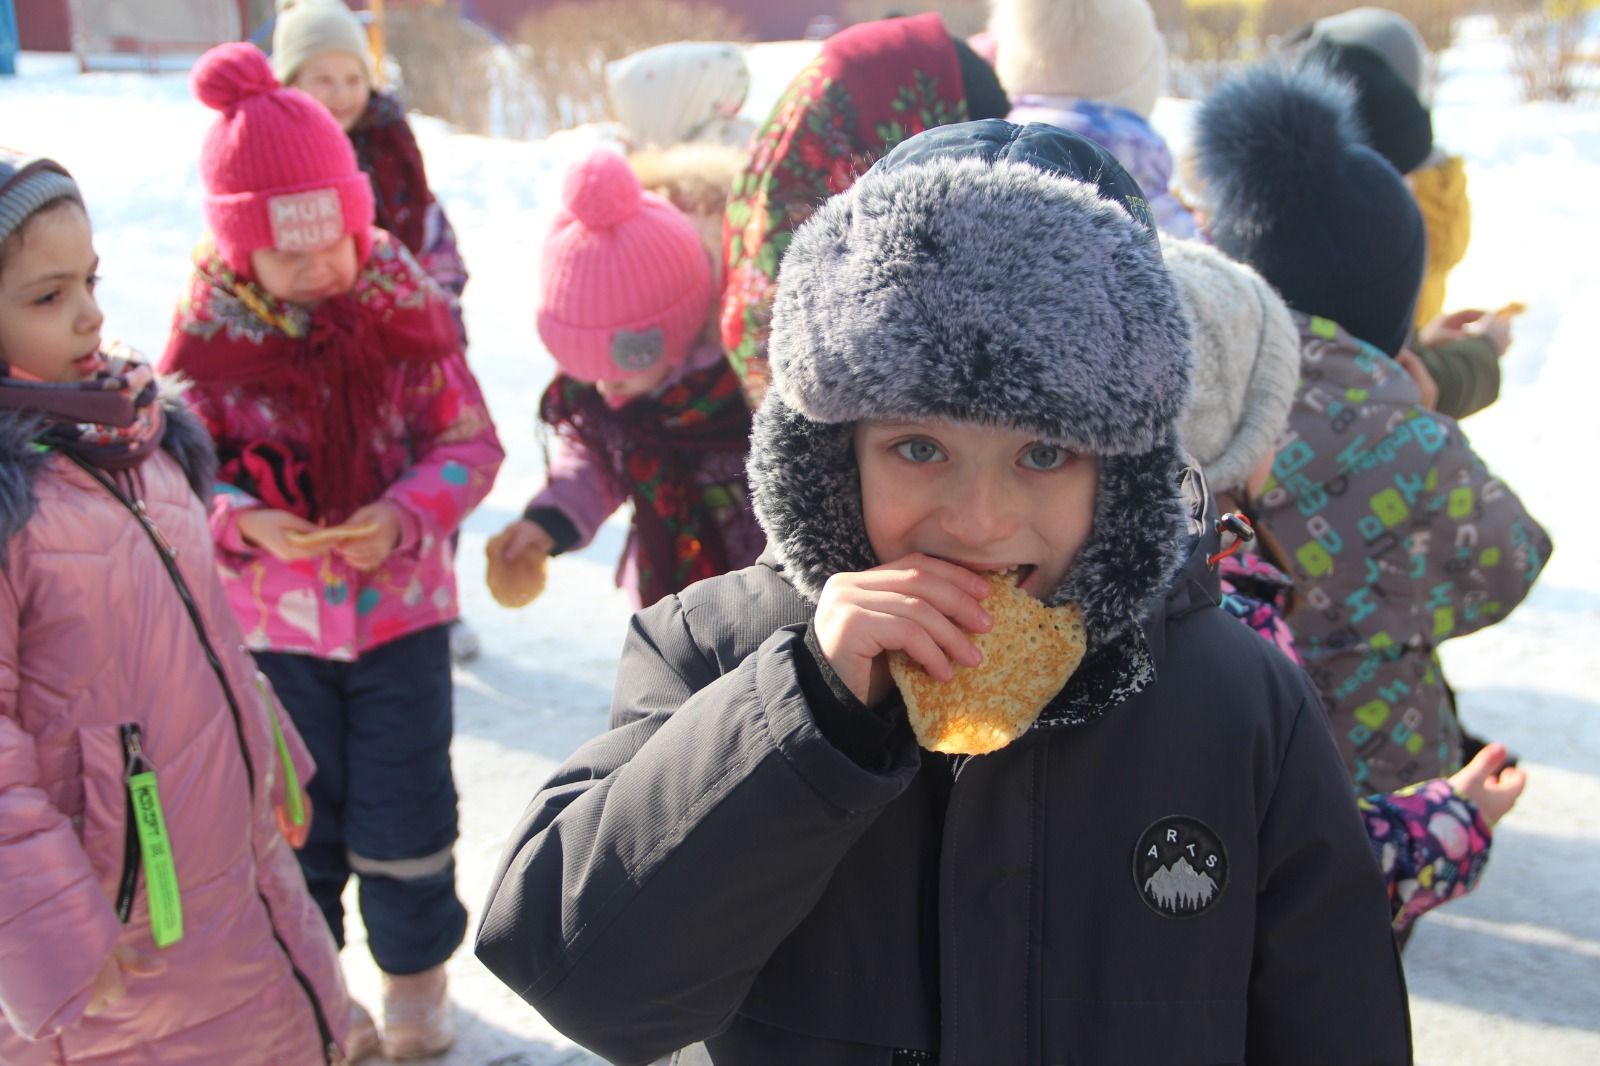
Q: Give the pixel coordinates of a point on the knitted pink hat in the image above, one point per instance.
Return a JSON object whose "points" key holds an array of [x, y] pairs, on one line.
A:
{"points": [[624, 280], [277, 169]]}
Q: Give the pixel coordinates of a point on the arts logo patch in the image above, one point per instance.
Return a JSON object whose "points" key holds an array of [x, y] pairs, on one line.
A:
{"points": [[1180, 867]]}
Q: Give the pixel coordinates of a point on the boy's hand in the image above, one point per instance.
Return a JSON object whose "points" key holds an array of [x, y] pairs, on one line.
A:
{"points": [[369, 550], [1412, 364], [1469, 322], [111, 983], [1489, 783], [265, 528], [920, 605], [521, 536]]}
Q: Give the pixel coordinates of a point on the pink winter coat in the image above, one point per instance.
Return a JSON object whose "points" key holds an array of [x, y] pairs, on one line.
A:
{"points": [[94, 637], [439, 456]]}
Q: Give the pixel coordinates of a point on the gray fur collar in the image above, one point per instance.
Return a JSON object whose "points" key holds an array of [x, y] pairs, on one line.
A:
{"points": [[184, 438]]}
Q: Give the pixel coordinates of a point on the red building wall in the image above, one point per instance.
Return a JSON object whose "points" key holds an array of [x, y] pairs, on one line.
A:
{"points": [[44, 25]]}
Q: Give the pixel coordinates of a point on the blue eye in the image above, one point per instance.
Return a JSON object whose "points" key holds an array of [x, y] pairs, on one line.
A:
{"points": [[1045, 457], [918, 450]]}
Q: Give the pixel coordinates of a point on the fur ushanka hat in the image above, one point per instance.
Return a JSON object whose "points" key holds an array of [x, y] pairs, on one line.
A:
{"points": [[990, 273]]}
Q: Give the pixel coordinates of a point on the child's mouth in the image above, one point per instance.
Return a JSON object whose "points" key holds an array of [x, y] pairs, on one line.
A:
{"points": [[89, 365], [1021, 572]]}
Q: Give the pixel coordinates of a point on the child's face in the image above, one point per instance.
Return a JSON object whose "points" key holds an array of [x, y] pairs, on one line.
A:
{"points": [[983, 497], [623, 391], [307, 278], [49, 319], [338, 81]]}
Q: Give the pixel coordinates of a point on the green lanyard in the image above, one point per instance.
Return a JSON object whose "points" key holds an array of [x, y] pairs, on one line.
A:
{"points": [[155, 847], [291, 780]]}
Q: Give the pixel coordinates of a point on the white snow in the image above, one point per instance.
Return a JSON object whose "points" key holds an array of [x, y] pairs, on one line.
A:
{"points": [[1510, 974]]}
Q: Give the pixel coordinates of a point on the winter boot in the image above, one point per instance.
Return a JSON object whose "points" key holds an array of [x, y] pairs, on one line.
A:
{"points": [[416, 1015], [363, 1039]]}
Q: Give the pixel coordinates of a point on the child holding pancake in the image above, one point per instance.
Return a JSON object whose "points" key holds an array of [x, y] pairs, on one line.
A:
{"points": [[353, 441], [645, 409], [967, 467]]}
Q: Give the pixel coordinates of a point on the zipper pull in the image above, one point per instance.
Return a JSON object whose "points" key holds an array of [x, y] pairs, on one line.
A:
{"points": [[155, 530], [133, 752]]}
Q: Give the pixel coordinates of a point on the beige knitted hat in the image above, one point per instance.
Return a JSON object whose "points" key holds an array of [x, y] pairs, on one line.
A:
{"points": [[307, 28], [1105, 50], [1246, 362]]}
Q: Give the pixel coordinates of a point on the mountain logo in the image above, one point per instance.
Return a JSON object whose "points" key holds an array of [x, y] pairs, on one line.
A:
{"points": [[1180, 866]]}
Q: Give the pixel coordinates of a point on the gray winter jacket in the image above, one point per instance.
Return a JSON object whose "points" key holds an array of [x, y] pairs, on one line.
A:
{"points": [[1399, 538], [753, 868]]}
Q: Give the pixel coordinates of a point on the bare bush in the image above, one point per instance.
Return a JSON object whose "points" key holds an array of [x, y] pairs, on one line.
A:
{"points": [[961, 17], [447, 64], [563, 50], [1548, 55]]}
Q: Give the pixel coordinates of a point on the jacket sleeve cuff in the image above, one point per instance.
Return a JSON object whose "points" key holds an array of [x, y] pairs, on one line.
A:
{"points": [[557, 524], [866, 734]]}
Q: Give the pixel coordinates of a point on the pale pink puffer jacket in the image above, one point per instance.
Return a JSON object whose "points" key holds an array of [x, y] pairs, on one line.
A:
{"points": [[94, 637]]}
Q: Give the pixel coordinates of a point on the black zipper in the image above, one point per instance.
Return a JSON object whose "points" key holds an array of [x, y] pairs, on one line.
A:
{"points": [[168, 554], [133, 762]]}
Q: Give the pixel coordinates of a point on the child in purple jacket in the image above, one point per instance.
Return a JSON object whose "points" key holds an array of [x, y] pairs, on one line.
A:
{"points": [[645, 408]]}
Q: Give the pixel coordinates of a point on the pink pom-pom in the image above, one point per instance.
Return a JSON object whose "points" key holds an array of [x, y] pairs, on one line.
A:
{"points": [[231, 73], [602, 190]]}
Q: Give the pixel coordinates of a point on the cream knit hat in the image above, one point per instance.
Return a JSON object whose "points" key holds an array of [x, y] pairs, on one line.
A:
{"points": [[1246, 362], [307, 28], [1105, 50]]}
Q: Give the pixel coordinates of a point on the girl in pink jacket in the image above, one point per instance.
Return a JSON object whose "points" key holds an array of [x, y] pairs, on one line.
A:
{"points": [[152, 910], [353, 441], [646, 410]]}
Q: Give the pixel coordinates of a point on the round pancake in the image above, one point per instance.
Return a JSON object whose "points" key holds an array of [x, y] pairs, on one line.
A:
{"points": [[519, 582], [323, 538], [1027, 657]]}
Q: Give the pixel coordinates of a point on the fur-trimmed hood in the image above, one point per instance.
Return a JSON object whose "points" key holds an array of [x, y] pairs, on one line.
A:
{"points": [[183, 438], [990, 273]]}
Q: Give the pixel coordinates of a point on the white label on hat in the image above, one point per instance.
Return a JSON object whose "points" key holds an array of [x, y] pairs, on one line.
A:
{"points": [[305, 221]]}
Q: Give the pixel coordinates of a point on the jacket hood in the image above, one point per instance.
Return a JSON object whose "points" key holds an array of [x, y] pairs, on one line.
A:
{"points": [[995, 274], [183, 438]]}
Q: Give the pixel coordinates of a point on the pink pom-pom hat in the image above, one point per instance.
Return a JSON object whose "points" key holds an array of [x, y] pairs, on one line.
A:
{"points": [[624, 280], [277, 169]]}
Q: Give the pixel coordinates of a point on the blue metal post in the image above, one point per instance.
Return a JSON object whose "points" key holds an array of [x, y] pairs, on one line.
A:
{"points": [[8, 38]]}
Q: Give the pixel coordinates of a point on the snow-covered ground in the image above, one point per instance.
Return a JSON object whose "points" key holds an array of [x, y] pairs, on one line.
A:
{"points": [[1509, 975]]}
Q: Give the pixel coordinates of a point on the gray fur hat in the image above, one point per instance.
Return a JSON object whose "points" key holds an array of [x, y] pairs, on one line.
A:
{"points": [[990, 273], [1246, 362]]}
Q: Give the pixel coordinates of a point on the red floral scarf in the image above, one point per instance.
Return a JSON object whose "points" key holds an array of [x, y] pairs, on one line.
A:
{"points": [[113, 421], [654, 447], [387, 151], [871, 87], [327, 367]]}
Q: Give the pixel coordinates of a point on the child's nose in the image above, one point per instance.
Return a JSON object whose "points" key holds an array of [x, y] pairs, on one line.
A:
{"points": [[979, 512], [91, 318]]}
